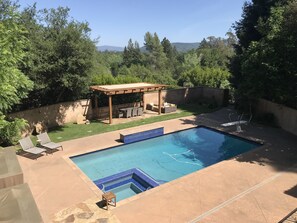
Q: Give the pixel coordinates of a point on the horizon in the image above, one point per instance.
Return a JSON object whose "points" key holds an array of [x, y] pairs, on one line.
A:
{"points": [[116, 21], [144, 46]]}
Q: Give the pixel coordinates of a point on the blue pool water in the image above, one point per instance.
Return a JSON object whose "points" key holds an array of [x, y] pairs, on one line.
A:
{"points": [[163, 158]]}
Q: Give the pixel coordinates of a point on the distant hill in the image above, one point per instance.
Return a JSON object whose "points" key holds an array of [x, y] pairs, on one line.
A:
{"points": [[185, 47], [110, 48], [180, 47]]}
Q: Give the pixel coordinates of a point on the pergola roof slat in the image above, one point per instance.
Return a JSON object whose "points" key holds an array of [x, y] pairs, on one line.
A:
{"points": [[127, 88]]}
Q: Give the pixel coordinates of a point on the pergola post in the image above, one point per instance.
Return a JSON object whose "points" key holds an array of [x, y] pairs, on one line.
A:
{"points": [[143, 102], [110, 109], [159, 102], [96, 106]]}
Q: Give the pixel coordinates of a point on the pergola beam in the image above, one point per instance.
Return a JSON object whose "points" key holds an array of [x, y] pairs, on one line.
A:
{"points": [[111, 90]]}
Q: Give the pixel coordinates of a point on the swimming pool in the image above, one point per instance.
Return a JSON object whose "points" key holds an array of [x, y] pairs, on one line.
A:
{"points": [[163, 158]]}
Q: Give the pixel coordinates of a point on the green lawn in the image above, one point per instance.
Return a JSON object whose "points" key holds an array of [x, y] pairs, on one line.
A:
{"points": [[73, 131]]}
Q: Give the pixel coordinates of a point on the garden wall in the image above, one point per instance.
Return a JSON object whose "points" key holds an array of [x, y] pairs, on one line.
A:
{"points": [[55, 115], [189, 95], [68, 112], [285, 117]]}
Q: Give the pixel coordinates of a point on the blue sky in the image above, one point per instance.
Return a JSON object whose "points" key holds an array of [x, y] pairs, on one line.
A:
{"points": [[115, 21]]}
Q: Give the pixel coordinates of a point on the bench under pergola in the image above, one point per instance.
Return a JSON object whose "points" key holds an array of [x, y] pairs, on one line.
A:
{"points": [[117, 89]]}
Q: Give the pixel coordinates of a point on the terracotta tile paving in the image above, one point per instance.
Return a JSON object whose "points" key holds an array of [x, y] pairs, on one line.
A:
{"points": [[258, 186]]}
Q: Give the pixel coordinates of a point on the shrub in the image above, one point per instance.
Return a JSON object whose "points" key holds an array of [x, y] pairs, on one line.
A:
{"points": [[10, 130]]}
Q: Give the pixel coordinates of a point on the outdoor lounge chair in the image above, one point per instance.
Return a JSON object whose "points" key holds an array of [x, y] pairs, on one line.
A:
{"points": [[27, 146], [46, 141], [120, 114]]}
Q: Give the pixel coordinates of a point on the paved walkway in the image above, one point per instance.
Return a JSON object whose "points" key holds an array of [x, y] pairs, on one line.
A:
{"points": [[258, 186]]}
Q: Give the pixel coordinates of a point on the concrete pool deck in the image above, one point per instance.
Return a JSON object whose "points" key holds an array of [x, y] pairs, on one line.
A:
{"points": [[258, 186]]}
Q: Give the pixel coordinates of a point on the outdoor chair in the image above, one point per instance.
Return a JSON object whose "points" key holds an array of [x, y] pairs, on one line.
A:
{"points": [[134, 111], [128, 113], [46, 142], [120, 114], [27, 146], [140, 111]]}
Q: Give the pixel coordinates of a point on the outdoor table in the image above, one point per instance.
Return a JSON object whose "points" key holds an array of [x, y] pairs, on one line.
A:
{"points": [[127, 112]]}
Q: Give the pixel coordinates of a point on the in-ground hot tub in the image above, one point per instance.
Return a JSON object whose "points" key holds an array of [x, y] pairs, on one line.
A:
{"points": [[127, 183]]}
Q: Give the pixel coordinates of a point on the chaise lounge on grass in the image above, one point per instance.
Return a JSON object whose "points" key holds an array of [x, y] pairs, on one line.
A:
{"points": [[27, 146], [46, 142]]}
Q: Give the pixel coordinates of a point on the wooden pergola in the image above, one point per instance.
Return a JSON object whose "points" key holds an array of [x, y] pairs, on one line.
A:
{"points": [[117, 89]]}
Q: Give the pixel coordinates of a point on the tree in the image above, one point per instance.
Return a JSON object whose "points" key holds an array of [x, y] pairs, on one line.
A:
{"points": [[246, 29], [216, 52], [14, 84], [266, 67], [171, 54], [61, 56], [205, 76], [156, 57], [191, 60], [132, 54], [270, 63], [169, 50]]}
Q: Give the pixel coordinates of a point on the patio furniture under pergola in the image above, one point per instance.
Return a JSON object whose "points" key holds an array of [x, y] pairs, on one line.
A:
{"points": [[117, 89]]}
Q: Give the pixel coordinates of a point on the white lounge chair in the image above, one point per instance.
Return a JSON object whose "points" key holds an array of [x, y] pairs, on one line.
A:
{"points": [[46, 141], [27, 146]]}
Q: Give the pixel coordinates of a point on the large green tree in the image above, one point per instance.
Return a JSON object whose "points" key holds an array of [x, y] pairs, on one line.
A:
{"points": [[171, 53], [216, 51], [155, 56], [14, 84], [132, 54], [247, 32], [265, 62], [205, 76], [61, 56]]}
